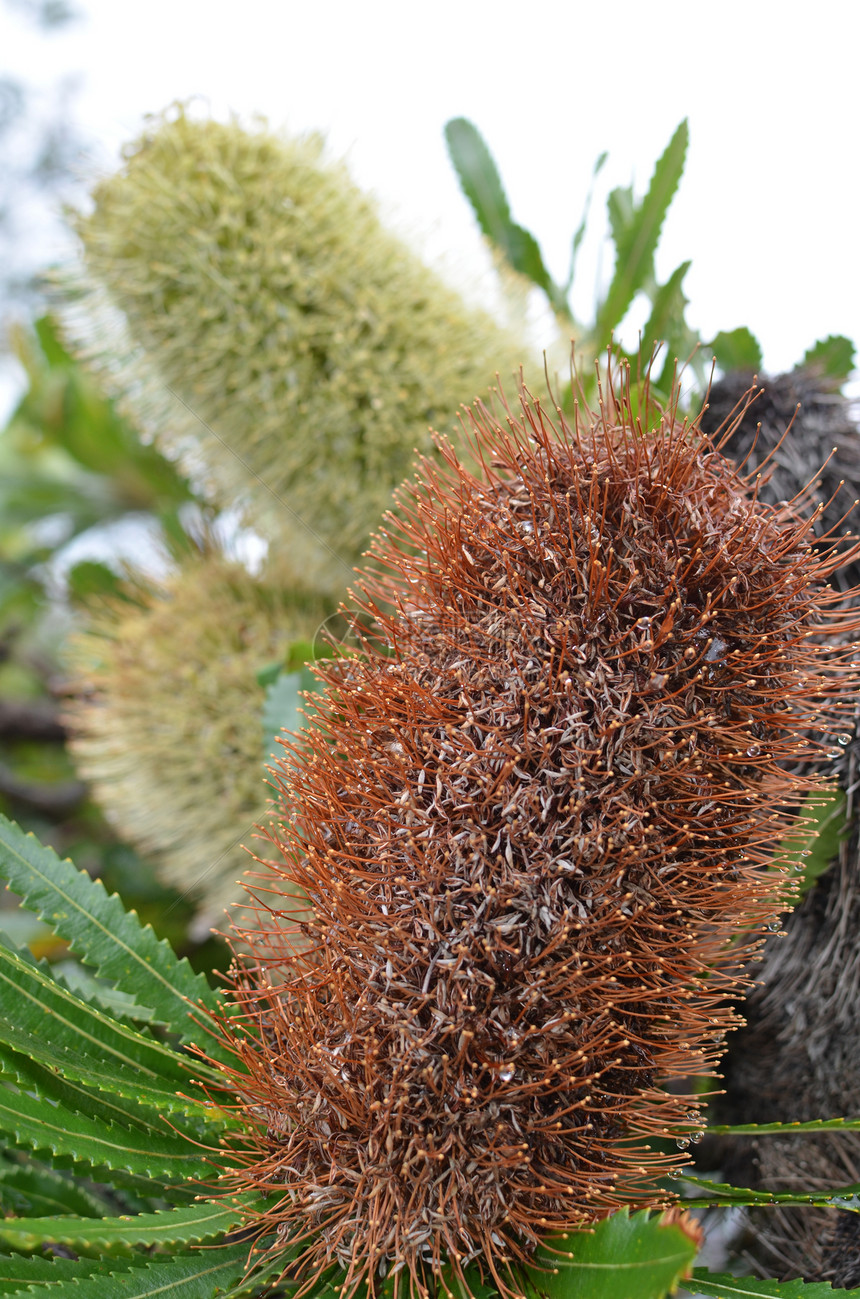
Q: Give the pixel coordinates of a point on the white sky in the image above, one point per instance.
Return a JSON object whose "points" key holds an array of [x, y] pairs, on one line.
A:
{"points": [[767, 209]]}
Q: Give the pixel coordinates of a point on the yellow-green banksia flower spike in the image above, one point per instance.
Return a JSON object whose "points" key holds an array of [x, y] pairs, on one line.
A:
{"points": [[166, 716], [272, 334]]}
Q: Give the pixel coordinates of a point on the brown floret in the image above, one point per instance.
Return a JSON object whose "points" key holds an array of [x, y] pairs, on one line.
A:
{"points": [[535, 822]]}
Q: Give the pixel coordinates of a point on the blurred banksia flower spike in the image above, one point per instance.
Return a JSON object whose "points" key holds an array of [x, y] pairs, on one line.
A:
{"points": [[243, 297], [536, 823], [166, 715]]}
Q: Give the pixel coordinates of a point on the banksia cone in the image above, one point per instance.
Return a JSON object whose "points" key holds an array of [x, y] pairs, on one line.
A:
{"points": [[272, 334], [798, 1058], [165, 716], [536, 824], [823, 446]]}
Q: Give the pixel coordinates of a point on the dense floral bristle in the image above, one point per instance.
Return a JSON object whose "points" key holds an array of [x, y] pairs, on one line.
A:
{"points": [[535, 823]]}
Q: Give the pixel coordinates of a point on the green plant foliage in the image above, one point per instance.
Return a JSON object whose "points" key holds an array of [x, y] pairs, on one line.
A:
{"points": [[295, 350], [832, 358], [636, 232], [717, 1194], [723, 1286], [105, 935], [737, 349], [121, 1167], [187, 1225], [639, 1254], [96, 1100], [65, 452], [635, 228], [812, 848], [482, 185]]}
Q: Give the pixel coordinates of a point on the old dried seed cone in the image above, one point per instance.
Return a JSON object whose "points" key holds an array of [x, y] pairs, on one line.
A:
{"points": [[822, 448], [536, 823]]}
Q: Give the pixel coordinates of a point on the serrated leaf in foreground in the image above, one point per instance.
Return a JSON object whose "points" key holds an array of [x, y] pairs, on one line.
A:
{"points": [[33, 1189], [723, 1286], [40, 1126], [642, 1254], [189, 1225], [200, 1275], [637, 237], [106, 936], [42, 1019], [19, 1271], [722, 1194]]}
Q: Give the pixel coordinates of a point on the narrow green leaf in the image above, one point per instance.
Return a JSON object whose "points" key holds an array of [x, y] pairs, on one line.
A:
{"points": [[479, 178], [723, 1286], [188, 1225], [284, 709], [199, 1275], [106, 936], [89, 578], [641, 1255], [164, 1155], [579, 233], [812, 848], [34, 1189], [831, 358], [737, 349], [67, 1093], [480, 182], [720, 1193], [46, 1022], [19, 1271], [667, 312], [785, 1129], [120, 1005], [636, 233]]}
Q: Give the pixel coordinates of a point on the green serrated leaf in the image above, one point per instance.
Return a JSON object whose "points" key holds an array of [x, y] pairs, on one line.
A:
{"points": [[283, 707], [737, 349], [636, 233], [812, 848], [107, 937], [625, 1255], [723, 1286], [667, 312], [786, 1129], [721, 1193], [47, 1023], [65, 1093], [480, 182], [201, 1275], [831, 359], [17, 1272], [69, 974], [479, 177], [188, 1225], [32, 1189], [41, 1126]]}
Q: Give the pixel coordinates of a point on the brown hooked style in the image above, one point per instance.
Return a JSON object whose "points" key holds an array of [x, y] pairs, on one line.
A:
{"points": [[529, 844]]}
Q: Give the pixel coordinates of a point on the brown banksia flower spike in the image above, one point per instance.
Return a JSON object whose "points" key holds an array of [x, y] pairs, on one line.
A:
{"points": [[537, 825]]}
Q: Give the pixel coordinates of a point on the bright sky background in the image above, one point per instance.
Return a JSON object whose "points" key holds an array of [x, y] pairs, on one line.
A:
{"points": [[768, 205]]}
